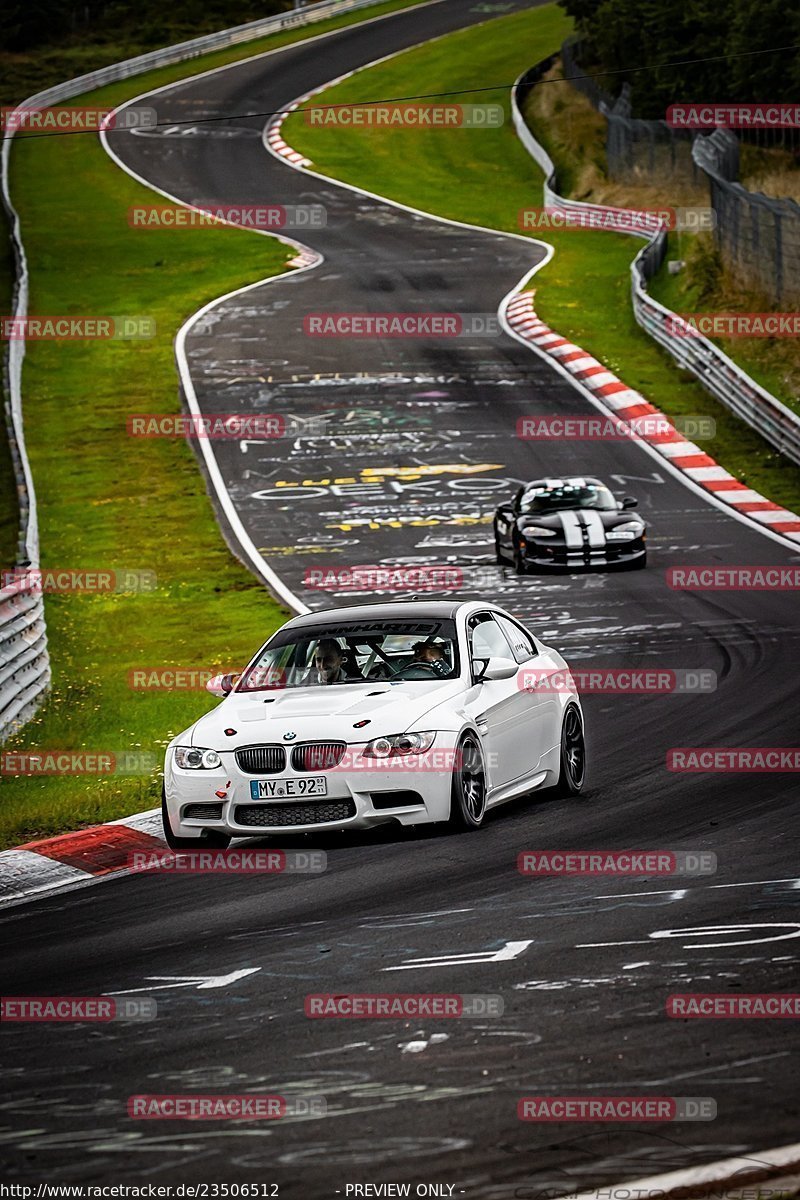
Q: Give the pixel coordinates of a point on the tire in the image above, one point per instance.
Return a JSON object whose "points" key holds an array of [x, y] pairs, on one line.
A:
{"points": [[468, 789], [639, 564], [572, 772], [499, 557], [209, 839]]}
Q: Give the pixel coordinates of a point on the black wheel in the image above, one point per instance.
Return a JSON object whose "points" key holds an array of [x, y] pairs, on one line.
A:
{"points": [[639, 564], [209, 839], [468, 795], [573, 754], [500, 558]]}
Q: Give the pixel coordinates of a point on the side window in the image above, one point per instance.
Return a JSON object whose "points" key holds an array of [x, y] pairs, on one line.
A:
{"points": [[522, 644], [486, 638]]}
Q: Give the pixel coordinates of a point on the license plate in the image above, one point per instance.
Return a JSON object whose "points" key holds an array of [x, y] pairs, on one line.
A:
{"points": [[281, 789]]}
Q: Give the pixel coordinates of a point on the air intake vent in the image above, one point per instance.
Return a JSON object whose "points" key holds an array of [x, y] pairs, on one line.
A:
{"points": [[266, 816], [202, 812]]}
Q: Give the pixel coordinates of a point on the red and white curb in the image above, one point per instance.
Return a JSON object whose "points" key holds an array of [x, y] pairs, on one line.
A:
{"points": [[306, 258], [628, 405], [276, 142], [75, 859], [768, 1174]]}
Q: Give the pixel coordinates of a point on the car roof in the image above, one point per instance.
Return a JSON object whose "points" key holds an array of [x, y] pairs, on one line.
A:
{"points": [[567, 480], [396, 609]]}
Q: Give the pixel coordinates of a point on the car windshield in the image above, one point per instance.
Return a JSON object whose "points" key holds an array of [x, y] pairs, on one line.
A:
{"points": [[543, 499], [420, 651]]}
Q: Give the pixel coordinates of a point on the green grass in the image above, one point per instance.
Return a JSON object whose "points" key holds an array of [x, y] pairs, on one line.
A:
{"points": [[486, 177], [772, 362], [107, 501]]}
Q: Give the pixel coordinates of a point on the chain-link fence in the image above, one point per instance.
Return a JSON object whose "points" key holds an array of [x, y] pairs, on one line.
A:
{"points": [[636, 151], [758, 236]]}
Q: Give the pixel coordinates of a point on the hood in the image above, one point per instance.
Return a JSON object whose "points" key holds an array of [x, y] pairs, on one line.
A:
{"points": [[326, 713]]}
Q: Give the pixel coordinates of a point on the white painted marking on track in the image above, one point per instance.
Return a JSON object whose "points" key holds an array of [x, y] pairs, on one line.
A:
{"points": [[201, 982], [708, 931], [712, 930], [684, 891], [509, 951]]}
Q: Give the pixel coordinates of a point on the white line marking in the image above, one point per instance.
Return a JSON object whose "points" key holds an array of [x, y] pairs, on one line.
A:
{"points": [[201, 982], [509, 951]]}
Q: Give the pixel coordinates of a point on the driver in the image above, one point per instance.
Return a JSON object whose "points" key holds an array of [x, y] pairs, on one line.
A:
{"points": [[432, 653], [329, 665]]}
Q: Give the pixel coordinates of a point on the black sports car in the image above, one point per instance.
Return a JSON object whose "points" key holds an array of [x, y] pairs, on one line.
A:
{"points": [[569, 525]]}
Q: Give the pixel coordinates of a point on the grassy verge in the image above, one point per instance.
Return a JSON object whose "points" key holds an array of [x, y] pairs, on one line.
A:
{"points": [[486, 177], [111, 502], [705, 285]]}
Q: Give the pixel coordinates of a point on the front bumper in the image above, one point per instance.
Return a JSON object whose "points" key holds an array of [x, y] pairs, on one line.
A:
{"points": [[359, 796], [538, 556]]}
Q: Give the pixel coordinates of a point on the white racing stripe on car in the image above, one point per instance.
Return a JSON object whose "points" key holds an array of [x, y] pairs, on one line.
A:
{"points": [[597, 533], [572, 530]]}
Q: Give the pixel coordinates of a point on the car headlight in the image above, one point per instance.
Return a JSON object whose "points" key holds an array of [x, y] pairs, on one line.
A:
{"points": [[399, 743], [195, 758], [626, 532], [538, 531]]}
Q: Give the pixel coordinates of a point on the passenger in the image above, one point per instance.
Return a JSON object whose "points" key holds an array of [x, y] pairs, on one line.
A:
{"points": [[329, 665]]}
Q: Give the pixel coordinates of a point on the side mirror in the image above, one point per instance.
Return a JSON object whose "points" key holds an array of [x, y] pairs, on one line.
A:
{"points": [[222, 685], [629, 502], [493, 668], [506, 509]]}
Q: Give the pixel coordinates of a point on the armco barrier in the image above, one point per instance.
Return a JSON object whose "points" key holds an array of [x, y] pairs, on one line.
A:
{"points": [[24, 661], [718, 373]]}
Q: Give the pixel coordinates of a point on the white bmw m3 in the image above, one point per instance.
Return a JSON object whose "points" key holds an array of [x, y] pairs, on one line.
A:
{"points": [[412, 712]]}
